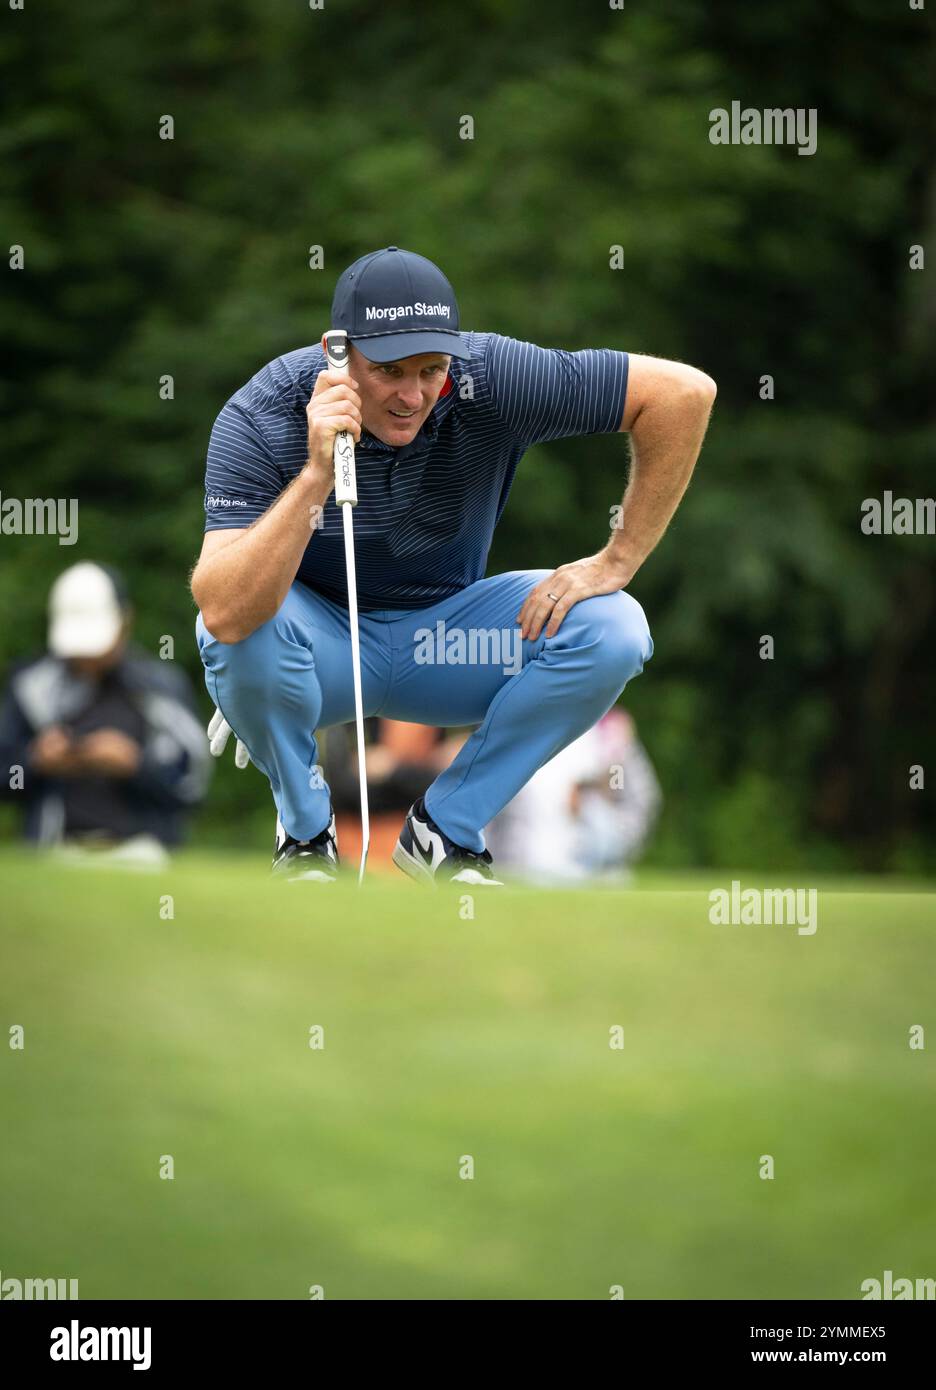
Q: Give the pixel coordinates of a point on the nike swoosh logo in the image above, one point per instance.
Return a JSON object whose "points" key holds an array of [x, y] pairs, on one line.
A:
{"points": [[428, 847]]}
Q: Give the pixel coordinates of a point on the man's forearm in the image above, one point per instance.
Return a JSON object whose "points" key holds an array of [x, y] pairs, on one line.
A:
{"points": [[666, 439], [241, 586]]}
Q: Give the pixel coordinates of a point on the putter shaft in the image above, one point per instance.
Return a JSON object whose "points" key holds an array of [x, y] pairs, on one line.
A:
{"points": [[348, 521]]}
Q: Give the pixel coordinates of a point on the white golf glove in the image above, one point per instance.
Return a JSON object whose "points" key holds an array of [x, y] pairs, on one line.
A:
{"points": [[219, 731]]}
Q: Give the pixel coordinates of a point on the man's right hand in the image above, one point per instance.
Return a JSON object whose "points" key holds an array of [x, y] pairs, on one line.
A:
{"points": [[334, 406], [244, 574]]}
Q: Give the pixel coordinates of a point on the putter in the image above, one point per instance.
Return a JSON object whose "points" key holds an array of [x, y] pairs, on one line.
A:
{"points": [[336, 350]]}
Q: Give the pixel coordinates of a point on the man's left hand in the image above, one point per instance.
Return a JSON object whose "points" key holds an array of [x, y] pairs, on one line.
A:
{"points": [[552, 598]]}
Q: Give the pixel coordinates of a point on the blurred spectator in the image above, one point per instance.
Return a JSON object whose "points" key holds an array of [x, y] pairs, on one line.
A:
{"points": [[402, 760], [586, 813], [110, 751]]}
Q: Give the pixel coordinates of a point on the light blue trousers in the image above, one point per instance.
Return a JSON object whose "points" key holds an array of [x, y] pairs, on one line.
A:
{"points": [[457, 663]]}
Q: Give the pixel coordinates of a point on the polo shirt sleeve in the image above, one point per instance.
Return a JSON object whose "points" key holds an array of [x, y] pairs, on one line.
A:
{"points": [[241, 477], [550, 393]]}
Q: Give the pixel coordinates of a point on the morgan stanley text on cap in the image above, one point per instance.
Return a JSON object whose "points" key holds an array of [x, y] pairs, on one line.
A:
{"points": [[393, 304]]}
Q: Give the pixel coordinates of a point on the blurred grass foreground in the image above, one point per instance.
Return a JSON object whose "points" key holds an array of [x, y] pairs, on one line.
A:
{"points": [[376, 1095]]}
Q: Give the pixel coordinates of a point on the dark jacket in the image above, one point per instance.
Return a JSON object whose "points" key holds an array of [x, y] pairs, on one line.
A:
{"points": [[151, 701]]}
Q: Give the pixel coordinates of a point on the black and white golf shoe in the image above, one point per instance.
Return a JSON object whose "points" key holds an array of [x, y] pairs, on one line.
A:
{"points": [[306, 861], [426, 853]]}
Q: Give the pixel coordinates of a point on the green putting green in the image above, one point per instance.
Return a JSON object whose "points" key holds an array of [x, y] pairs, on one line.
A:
{"points": [[448, 1038]]}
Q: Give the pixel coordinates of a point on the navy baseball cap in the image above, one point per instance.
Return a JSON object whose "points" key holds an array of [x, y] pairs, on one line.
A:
{"points": [[393, 303]]}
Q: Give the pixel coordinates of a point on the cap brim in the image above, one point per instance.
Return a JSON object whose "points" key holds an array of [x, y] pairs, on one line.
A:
{"points": [[70, 636], [390, 347]]}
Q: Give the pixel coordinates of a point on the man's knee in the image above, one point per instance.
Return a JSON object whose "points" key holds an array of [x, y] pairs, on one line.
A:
{"points": [[255, 660], [260, 664], [615, 627]]}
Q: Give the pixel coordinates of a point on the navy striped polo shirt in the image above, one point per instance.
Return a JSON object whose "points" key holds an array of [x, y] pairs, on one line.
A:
{"points": [[426, 511]]}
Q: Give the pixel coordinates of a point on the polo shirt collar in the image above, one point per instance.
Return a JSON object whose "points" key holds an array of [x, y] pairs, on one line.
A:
{"points": [[426, 435]]}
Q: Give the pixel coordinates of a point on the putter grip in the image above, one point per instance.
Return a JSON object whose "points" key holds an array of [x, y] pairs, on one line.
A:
{"points": [[336, 351]]}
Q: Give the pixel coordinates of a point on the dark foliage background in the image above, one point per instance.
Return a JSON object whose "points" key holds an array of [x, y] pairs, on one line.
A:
{"points": [[340, 127]]}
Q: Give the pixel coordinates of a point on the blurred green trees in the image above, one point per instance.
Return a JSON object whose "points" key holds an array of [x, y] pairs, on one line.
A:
{"points": [[339, 128]]}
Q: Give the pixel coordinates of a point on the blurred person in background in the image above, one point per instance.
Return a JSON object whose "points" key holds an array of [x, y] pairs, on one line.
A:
{"points": [[99, 742], [586, 813], [403, 759]]}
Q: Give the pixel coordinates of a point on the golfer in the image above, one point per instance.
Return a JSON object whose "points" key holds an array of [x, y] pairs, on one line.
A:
{"points": [[440, 420]]}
